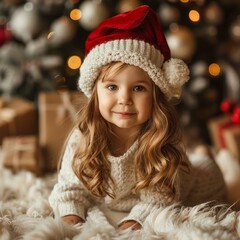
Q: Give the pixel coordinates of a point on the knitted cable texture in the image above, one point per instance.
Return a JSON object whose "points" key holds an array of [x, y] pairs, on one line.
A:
{"points": [[69, 196]]}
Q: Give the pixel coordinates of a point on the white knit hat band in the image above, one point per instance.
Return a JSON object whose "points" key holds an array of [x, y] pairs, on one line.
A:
{"points": [[130, 51]]}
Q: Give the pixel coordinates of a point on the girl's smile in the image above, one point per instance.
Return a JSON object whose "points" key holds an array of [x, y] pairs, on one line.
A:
{"points": [[125, 114]]}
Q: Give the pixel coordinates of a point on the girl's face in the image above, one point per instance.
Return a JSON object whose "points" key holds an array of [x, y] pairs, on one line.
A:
{"points": [[125, 98]]}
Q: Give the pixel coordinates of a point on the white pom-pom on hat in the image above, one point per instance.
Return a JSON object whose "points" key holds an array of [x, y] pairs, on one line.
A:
{"points": [[176, 74]]}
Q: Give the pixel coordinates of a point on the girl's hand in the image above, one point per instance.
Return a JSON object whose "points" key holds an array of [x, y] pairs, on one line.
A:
{"points": [[72, 219], [130, 224]]}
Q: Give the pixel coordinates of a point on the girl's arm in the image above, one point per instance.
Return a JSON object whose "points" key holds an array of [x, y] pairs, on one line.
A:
{"points": [[134, 225], [72, 219], [150, 200], [68, 196]]}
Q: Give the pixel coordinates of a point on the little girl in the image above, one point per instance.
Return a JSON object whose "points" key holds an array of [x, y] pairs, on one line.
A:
{"points": [[126, 152]]}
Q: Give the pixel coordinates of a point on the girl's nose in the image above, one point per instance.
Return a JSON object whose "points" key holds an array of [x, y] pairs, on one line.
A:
{"points": [[125, 97]]}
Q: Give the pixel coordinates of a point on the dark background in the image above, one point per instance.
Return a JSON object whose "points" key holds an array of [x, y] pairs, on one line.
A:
{"points": [[37, 38]]}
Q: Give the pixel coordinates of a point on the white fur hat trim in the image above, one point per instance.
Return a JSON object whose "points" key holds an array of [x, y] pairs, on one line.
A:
{"points": [[168, 76]]}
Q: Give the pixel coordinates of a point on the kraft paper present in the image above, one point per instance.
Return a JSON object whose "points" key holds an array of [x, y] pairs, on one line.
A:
{"points": [[18, 117], [22, 153], [57, 117]]}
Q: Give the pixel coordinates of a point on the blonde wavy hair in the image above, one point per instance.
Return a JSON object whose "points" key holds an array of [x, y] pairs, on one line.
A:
{"points": [[159, 156]]}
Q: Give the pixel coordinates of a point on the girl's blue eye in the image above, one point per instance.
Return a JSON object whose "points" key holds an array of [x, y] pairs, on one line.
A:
{"points": [[138, 88], [112, 87]]}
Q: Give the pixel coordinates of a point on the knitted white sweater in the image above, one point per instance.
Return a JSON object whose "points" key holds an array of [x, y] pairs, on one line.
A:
{"points": [[69, 196]]}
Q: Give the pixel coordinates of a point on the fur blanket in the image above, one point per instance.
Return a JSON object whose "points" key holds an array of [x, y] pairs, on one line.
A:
{"points": [[25, 214]]}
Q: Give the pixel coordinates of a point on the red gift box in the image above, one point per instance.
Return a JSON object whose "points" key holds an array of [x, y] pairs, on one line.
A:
{"points": [[225, 130], [232, 140], [216, 128]]}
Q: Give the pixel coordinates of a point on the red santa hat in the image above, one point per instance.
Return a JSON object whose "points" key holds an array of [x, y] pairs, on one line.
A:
{"points": [[134, 37]]}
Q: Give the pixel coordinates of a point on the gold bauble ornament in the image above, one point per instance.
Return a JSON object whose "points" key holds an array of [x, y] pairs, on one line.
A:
{"points": [[213, 14], [181, 42], [127, 5], [93, 12], [235, 30]]}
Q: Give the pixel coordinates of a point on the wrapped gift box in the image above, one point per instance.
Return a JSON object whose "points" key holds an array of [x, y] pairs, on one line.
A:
{"points": [[225, 134], [232, 140], [57, 117], [214, 126], [17, 117], [22, 152]]}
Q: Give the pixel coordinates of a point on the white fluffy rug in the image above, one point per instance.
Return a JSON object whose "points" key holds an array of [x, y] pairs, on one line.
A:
{"points": [[25, 214]]}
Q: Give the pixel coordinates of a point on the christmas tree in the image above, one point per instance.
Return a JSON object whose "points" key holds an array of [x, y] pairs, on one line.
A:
{"points": [[42, 47]]}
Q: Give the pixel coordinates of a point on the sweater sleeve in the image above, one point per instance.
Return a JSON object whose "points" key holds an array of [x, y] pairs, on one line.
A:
{"points": [[68, 196], [150, 200]]}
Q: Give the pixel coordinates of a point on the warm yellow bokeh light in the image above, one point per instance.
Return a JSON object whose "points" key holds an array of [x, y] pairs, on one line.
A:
{"points": [[184, 1], [214, 69], [75, 14], [74, 62], [194, 16]]}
